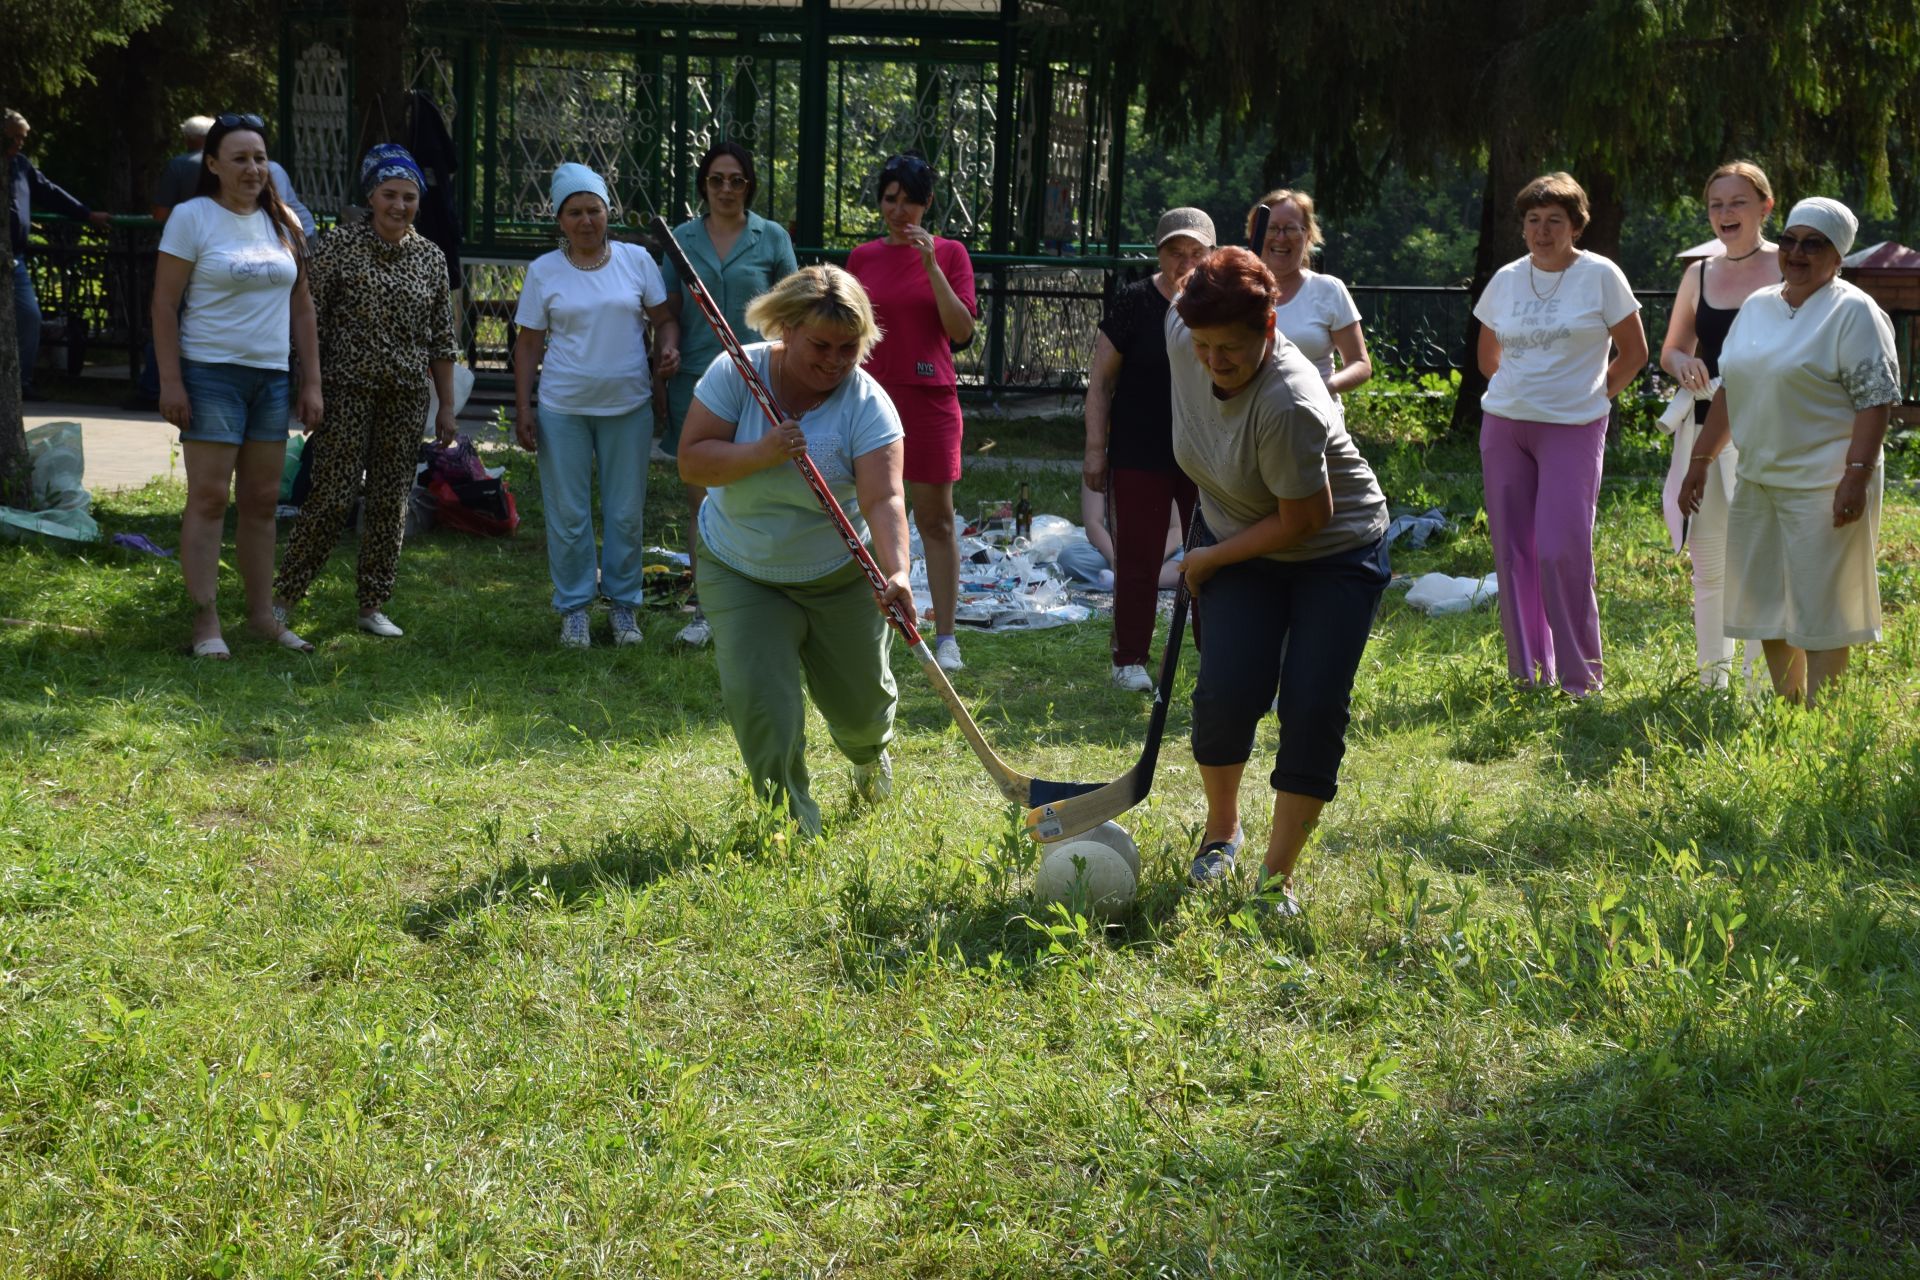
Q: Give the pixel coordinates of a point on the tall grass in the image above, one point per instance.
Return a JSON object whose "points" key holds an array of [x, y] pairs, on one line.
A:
{"points": [[466, 955]]}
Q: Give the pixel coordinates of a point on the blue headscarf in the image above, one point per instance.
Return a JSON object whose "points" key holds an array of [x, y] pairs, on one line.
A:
{"points": [[570, 180], [389, 160]]}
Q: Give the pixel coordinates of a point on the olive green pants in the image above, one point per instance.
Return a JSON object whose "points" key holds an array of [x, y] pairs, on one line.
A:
{"points": [[767, 638]]}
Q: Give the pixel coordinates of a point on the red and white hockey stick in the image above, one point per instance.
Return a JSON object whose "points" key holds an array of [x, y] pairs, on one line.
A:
{"points": [[1013, 785]]}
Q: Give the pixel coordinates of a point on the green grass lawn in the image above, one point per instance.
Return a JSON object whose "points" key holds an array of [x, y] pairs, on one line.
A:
{"points": [[463, 955]]}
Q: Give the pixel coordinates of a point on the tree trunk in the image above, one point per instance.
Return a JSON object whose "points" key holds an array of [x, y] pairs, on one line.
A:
{"points": [[13, 436], [1515, 147], [380, 43]]}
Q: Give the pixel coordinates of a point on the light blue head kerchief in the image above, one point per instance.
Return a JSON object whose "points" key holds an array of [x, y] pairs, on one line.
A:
{"points": [[571, 179]]}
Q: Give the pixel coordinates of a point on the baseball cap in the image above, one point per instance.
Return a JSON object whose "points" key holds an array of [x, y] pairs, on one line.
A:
{"points": [[1184, 222]]}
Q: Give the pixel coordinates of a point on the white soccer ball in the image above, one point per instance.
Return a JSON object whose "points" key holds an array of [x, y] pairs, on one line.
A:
{"points": [[1115, 837], [1097, 870]]}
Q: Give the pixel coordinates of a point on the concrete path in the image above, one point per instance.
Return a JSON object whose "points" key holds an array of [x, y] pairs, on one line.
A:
{"points": [[124, 449]]}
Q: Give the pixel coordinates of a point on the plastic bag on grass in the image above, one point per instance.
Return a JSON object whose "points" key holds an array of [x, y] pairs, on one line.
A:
{"points": [[61, 510]]}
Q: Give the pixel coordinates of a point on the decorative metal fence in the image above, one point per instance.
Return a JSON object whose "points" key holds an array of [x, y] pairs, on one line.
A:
{"points": [[1039, 315]]}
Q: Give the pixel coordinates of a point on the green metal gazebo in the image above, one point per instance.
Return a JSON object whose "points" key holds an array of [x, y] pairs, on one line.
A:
{"points": [[822, 91]]}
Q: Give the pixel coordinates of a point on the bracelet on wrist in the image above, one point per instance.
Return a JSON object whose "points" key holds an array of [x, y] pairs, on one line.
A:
{"points": [[1703, 457], [1861, 466]]}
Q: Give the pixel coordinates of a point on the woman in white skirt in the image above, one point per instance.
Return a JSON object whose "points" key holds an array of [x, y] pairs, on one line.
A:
{"points": [[1739, 200], [1809, 374]]}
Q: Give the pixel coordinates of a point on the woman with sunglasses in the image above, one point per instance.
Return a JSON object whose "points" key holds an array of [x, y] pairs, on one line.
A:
{"points": [[1315, 312], [1809, 374], [922, 291], [1560, 337], [229, 299], [1739, 199], [739, 255]]}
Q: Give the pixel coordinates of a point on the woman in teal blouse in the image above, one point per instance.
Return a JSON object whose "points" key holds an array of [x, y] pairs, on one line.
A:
{"points": [[739, 256]]}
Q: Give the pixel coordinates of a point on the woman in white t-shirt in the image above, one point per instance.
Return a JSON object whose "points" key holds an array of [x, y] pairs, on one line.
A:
{"points": [[580, 317], [1315, 313], [1560, 337], [229, 300], [1809, 374]]}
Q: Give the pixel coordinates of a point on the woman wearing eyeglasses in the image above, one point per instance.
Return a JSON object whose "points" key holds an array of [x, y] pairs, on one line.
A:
{"points": [[1809, 374], [1560, 338], [739, 255], [229, 299], [1739, 199], [1315, 312], [922, 291]]}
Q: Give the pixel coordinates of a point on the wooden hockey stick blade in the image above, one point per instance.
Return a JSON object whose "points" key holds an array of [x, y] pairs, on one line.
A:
{"points": [[1058, 812]]}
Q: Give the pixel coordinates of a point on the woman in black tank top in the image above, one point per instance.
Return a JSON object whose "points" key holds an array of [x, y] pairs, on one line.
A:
{"points": [[1738, 199]]}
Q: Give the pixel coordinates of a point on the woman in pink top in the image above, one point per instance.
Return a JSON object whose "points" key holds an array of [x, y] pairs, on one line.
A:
{"points": [[922, 291]]}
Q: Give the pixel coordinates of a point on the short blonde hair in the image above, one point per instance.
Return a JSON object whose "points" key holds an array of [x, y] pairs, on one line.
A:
{"points": [[1756, 178], [1559, 188], [824, 294], [10, 116], [1301, 201]]}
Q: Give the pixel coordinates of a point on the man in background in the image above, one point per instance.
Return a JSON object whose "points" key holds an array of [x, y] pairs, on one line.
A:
{"points": [[25, 184]]}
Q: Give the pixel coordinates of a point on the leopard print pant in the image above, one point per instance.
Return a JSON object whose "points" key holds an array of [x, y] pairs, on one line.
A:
{"points": [[371, 431]]}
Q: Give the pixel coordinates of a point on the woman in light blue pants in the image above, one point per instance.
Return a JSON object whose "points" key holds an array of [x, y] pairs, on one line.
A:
{"points": [[580, 317]]}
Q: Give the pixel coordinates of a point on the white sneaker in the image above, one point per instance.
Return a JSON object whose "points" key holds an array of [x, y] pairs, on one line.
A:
{"points": [[626, 629], [874, 782], [573, 629], [696, 633], [379, 624], [1133, 677], [946, 652]]}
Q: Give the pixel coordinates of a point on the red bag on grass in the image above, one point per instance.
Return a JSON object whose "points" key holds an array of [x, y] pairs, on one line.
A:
{"points": [[482, 507]]}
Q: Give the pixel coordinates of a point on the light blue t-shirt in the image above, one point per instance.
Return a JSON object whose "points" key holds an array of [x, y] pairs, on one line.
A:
{"points": [[769, 525]]}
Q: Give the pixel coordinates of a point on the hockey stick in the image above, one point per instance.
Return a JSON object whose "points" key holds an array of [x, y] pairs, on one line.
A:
{"points": [[1081, 810], [1014, 786]]}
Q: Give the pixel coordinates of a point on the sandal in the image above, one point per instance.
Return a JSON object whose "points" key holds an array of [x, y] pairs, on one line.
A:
{"points": [[216, 649], [287, 639]]}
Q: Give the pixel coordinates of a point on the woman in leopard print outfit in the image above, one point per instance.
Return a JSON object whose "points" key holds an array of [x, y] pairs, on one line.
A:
{"points": [[380, 292]]}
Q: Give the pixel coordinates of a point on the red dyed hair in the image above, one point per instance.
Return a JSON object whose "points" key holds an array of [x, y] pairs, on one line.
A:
{"points": [[1230, 286]]}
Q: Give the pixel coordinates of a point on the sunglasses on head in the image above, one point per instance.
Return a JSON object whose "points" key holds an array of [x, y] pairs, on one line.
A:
{"points": [[230, 120], [1803, 244], [907, 165]]}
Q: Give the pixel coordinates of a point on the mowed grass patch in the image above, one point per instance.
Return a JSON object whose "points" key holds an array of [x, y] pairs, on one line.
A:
{"points": [[466, 955]]}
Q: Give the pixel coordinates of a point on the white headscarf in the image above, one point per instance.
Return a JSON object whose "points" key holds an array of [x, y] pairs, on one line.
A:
{"points": [[1829, 217]]}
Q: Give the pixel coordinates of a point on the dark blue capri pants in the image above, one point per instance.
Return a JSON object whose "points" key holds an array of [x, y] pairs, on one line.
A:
{"points": [[1300, 627]]}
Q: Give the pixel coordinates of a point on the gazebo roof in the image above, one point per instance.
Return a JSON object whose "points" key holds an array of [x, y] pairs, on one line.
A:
{"points": [[1711, 249], [1887, 256]]}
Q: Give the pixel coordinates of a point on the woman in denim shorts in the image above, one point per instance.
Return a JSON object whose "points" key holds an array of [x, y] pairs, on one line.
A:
{"points": [[235, 257]]}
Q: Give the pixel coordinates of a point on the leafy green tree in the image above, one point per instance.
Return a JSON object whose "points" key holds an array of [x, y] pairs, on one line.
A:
{"points": [[1636, 97]]}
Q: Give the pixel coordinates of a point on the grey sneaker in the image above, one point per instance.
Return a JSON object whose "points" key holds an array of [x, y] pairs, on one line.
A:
{"points": [[626, 628], [874, 781], [573, 629], [379, 624], [696, 633], [946, 652], [1214, 862], [1133, 678]]}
